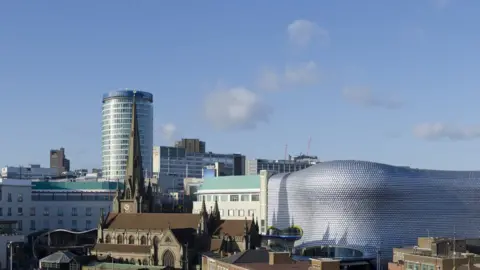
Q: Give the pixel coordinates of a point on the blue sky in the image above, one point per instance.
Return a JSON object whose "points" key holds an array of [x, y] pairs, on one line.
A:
{"points": [[387, 81]]}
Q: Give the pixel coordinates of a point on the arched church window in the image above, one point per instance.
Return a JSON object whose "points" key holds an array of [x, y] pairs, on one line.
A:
{"points": [[119, 239], [131, 240], [143, 240], [168, 259], [108, 239]]}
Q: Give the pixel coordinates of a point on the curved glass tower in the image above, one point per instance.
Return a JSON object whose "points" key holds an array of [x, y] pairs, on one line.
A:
{"points": [[116, 121]]}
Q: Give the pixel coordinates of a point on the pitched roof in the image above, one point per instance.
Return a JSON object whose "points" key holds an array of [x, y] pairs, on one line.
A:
{"points": [[231, 182], [248, 256], [232, 227], [185, 235], [105, 248], [153, 221], [59, 257]]}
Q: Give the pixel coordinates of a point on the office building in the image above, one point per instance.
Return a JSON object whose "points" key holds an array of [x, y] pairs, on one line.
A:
{"points": [[177, 161], [10, 240], [238, 197], [191, 145], [59, 161], [32, 171], [54, 205], [116, 120], [294, 164], [361, 209]]}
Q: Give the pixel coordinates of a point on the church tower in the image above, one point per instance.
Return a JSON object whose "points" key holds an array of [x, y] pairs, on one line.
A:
{"points": [[134, 198]]}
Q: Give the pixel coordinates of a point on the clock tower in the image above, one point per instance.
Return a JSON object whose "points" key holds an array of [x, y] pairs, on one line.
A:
{"points": [[135, 197]]}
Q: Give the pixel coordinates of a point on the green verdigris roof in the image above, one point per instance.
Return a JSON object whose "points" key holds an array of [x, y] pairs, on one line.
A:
{"points": [[75, 185], [231, 182]]}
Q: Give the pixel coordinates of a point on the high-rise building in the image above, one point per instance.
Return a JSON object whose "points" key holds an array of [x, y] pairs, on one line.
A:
{"points": [[59, 160], [293, 164], [191, 145], [116, 123]]}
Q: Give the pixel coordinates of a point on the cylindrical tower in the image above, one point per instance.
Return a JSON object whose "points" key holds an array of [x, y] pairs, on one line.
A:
{"points": [[116, 121]]}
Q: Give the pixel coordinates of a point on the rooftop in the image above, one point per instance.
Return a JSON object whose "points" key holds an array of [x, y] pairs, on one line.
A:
{"points": [[75, 185], [231, 182]]}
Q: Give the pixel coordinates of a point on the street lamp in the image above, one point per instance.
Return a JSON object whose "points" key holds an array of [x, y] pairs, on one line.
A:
{"points": [[111, 258], [10, 247]]}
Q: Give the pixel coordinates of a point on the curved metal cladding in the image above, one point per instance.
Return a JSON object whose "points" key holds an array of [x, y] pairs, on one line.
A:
{"points": [[116, 121], [370, 206]]}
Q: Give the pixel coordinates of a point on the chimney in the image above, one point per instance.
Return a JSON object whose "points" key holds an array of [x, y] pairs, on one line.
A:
{"points": [[279, 258]]}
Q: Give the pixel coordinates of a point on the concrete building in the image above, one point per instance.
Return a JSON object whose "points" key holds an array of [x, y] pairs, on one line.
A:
{"points": [[177, 161], [191, 145], [238, 196], [54, 205], [438, 253], [116, 120], [32, 171], [9, 239], [254, 166], [59, 161]]}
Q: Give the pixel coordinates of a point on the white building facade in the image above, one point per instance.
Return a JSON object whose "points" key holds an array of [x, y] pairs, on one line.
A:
{"points": [[28, 172], [238, 197], [116, 124], [54, 205]]}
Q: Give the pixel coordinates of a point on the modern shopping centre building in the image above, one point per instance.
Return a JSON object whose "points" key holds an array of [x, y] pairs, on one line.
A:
{"points": [[359, 209]]}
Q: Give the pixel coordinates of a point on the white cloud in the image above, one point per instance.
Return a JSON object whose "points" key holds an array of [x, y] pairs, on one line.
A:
{"points": [[302, 74], [169, 131], [363, 96], [437, 131], [235, 108], [303, 32]]}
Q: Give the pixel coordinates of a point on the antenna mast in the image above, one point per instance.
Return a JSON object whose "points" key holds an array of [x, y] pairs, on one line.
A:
{"points": [[308, 147]]}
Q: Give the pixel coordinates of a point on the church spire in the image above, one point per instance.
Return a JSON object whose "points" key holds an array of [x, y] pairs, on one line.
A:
{"points": [[134, 179]]}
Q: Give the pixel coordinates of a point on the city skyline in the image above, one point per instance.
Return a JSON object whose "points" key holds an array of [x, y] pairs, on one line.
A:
{"points": [[369, 81]]}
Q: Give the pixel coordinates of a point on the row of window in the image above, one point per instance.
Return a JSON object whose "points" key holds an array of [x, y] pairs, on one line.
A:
{"points": [[71, 197], [9, 197], [46, 211], [417, 266], [60, 225], [231, 198]]}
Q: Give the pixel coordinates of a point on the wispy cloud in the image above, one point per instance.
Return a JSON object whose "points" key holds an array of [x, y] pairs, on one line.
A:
{"points": [[438, 130], [303, 32], [363, 96], [297, 75]]}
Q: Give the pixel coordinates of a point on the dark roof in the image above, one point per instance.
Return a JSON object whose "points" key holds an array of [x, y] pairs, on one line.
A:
{"points": [[266, 266], [248, 256], [105, 248], [232, 227], [59, 257], [184, 235], [154, 221]]}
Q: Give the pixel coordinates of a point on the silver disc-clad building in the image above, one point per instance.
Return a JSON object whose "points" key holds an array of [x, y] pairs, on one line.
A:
{"points": [[116, 123], [354, 208]]}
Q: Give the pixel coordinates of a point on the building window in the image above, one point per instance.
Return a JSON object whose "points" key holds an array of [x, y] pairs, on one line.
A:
{"points": [[60, 212], [209, 198], [46, 211], [255, 197], [221, 212], [231, 212], [74, 224], [88, 211], [74, 211], [9, 213], [102, 211], [245, 198], [241, 213], [1, 211], [234, 198], [32, 211], [60, 223], [9, 198], [20, 225], [224, 198], [32, 225], [251, 212], [88, 224], [428, 267], [20, 211], [20, 197]]}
